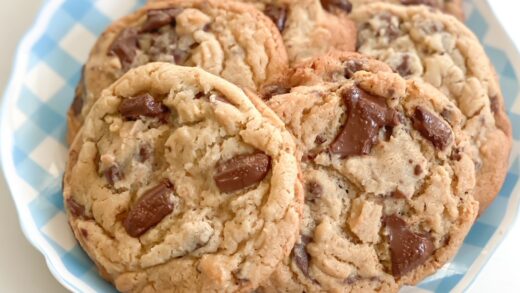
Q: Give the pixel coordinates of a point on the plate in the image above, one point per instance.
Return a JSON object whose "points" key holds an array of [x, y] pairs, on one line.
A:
{"points": [[33, 125]]}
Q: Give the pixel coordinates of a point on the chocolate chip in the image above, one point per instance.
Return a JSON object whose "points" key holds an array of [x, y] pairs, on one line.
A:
{"points": [[113, 174], [313, 190], [143, 105], [431, 127], [494, 104], [84, 232], [419, 2], [456, 154], [398, 194], [149, 210], [300, 255], [404, 68], [278, 14], [417, 170], [352, 66], [79, 95], [144, 153], [366, 115], [390, 30], [180, 56], [271, 90], [241, 171], [76, 209], [330, 5], [160, 17], [408, 250], [125, 47], [320, 139]]}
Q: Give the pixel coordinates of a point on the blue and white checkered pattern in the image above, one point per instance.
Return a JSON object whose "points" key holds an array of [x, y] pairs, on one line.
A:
{"points": [[48, 66]]}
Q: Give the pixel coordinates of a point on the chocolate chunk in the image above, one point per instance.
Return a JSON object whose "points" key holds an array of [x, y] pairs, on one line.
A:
{"points": [[241, 171], [149, 210], [300, 255], [351, 67], [143, 105], [366, 115], [419, 2], [404, 68], [84, 232], [160, 17], [125, 47], [398, 194], [278, 14], [144, 153], [494, 104], [408, 250], [455, 154], [76, 209], [79, 95], [113, 174], [330, 5], [320, 139], [417, 170], [432, 128], [313, 190], [180, 56], [271, 90]]}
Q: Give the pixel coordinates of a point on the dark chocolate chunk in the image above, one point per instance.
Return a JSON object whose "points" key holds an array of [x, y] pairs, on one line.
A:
{"points": [[300, 255], [366, 115], [408, 249], [144, 153], [113, 174], [351, 67], [419, 2], [330, 5], [180, 56], [76, 209], [271, 90], [160, 17], [455, 154], [313, 190], [125, 47], [241, 171], [431, 127], [320, 139], [278, 14], [404, 68], [417, 170], [149, 210], [84, 232], [398, 194], [143, 105], [494, 104]]}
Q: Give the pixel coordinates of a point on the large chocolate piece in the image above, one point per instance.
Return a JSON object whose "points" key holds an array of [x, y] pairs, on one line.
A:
{"points": [[432, 128], [76, 209], [241, 171], [125, 47], [408, 250], [300, 255], [278, 14], [330, 5], [143, 105], [149, 210], [160, 17], [366, 115]]}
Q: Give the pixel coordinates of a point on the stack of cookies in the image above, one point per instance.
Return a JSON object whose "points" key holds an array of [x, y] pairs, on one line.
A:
{"points": [[283, 145]]}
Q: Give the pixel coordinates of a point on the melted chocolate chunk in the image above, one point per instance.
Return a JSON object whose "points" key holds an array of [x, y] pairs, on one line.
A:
{"points": [[160, 17], [455, 154], [404, 68], [320, 140], [149, 210], [113, 174], [300, 255], [408, 250], [431, 128], [84, 233], [144, 153], [351, 67], [330, 5], [125, 47], [143, 105], [76, 209], [278, 14], [366, 115], [417, 170], [313, 190], [419, 2], [494, 104], [241, 171], [398, 194]]}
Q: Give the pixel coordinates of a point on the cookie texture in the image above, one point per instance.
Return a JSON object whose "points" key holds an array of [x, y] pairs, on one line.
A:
{"points": [[429, 45], [388, 178], [178, 183], [453, 7], [226, 38]]}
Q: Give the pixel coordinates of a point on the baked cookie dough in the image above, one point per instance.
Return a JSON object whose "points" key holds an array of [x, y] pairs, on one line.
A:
{"points": [[387, 175], [420, 43], [178, 182]]}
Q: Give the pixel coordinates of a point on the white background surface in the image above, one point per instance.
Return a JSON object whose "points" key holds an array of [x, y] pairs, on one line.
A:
{"points": [[23, 269]]}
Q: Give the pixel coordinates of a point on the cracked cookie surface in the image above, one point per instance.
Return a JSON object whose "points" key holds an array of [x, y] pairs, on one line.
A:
{"points": [[226, 38], [177, 182], [388, 179], [420, 43]]}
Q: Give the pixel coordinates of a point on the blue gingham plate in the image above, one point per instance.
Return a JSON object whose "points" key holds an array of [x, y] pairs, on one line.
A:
{"points": [[33, 150]]}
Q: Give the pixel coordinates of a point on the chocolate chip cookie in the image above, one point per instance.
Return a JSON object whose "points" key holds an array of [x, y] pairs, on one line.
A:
{"points": [[232, 40], [453, 7], [177, 182], [388, 177], [420, 43]]}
